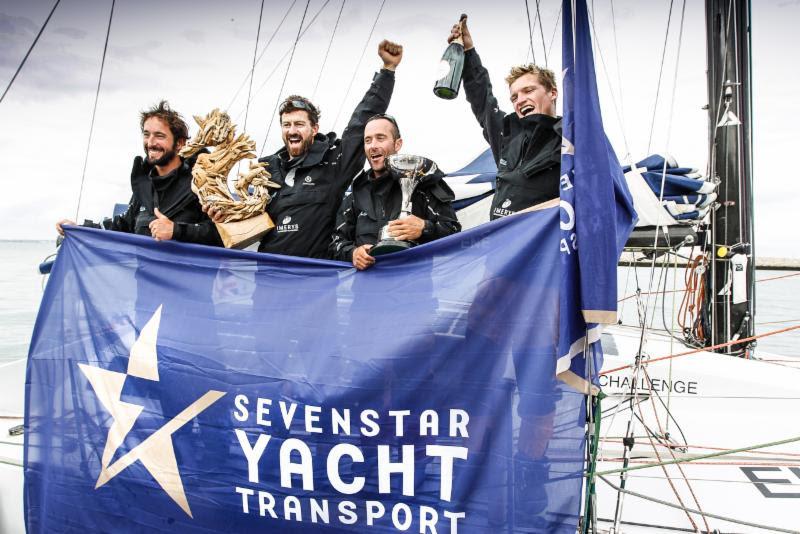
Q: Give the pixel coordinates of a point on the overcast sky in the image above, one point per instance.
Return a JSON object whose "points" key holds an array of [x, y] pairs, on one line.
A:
{"points": [[198, 54]]}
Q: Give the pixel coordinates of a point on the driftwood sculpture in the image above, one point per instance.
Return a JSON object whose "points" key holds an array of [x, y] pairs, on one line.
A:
{"points": [[210, 172]]}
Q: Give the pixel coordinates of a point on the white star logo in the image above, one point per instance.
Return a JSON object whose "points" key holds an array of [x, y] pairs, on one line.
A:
{"points": [[156, 452]]}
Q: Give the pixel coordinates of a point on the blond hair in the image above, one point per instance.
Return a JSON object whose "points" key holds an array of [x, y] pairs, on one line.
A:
{"points": [[546, 76]]}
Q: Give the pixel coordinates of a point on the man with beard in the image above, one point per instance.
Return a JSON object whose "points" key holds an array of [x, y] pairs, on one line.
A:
{"points": [[526, 144], [376, 200], [163, 205], [314, 169]]}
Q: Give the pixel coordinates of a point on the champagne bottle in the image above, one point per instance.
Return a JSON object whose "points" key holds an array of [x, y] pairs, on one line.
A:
{"points": [[450, 68]]}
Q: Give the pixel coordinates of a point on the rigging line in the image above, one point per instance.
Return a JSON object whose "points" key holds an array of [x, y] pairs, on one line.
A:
{"points": [[718, 454], [330, 43], [660, 72], [596, 43], [619, 65], [555, 28], [709, 514], [541, 31], [28, 53], [253, 68], [671, 452], [94, 110], [355, 72], [657, 292], [286, 54], [707, 349], [779, 322], [666, 474], [675, 80], [778, 277], [263, 50], [530, 30], [285, 76]]}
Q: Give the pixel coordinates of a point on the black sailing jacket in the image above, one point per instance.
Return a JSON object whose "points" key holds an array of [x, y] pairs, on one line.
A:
{"points": [[527, 151], [373, 203], [312, 186], [172, 195]]}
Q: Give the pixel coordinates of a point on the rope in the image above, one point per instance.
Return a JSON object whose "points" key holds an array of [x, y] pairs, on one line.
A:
{"points": [[671, 452], [617, 109], [35, 40], [660, 72], [541, 31], [285, 76], [710, 448], [778, 277], [10, 462], [253, 67], [736, 463], [330, 43], [288, 51], [779, 322], [355, 72], [701, 456], [530, 30], [714, 516], [713, 347], [666, 474], [594, 443], [269, 41], [94, 110], [555, 28], [694, 299]]}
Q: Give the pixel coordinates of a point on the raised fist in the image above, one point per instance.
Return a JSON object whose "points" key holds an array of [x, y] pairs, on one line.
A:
{"points": [[391, 54]]}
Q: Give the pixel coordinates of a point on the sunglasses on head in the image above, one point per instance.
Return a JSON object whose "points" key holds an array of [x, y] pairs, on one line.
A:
{"points": [[297, 104]]}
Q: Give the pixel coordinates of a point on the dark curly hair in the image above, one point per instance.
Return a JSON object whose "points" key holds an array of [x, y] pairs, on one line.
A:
{"points": [[178, 127]]}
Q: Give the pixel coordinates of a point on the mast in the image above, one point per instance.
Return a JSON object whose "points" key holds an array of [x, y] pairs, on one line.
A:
{"points": [[730, 161]]}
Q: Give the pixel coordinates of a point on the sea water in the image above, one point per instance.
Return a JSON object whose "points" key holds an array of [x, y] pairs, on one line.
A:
{"points": [[777, 303]]}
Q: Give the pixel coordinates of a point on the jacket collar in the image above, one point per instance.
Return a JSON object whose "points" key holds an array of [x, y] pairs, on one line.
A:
{"points": [[513, 124]]}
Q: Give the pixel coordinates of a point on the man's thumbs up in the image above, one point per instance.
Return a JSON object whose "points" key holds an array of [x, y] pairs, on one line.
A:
{"points": [[161, 227]]}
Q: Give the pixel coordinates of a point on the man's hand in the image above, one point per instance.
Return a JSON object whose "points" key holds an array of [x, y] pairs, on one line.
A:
{"points": [[161, 227], [407, 229], [391, 54], [214, 213], [460, 29], [62, 222], [361, 258]]}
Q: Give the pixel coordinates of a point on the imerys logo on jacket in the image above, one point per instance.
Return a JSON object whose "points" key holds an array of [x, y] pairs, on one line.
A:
{"points": [[286, 225], [503, 210]]}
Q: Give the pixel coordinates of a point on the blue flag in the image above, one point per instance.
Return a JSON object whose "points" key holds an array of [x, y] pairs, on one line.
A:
{"points": [[597, 213], [181, 388]]}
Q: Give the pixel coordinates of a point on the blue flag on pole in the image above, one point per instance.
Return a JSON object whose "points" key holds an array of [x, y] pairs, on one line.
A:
{"points": [[597, 213], [181, 388]]}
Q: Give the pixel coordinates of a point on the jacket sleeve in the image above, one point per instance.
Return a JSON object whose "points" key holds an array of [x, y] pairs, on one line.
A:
{"points": [[343, 242], [203, 233], [478, 90], [375, 101], [440, 217], [127, 221]]}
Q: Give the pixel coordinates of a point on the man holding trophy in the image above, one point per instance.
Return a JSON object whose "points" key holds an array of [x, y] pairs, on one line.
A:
{"points": [[313, 169], [400, 200]]}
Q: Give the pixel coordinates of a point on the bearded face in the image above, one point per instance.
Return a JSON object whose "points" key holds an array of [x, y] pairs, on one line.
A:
{"points": [[159, 144], [297, 132]]}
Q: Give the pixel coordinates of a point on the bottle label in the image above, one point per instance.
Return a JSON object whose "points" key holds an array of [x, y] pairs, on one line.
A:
{"points": [[443, 69]]}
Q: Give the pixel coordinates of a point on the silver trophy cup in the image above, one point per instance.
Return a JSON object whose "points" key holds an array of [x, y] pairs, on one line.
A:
{"points": [[408, 170]]}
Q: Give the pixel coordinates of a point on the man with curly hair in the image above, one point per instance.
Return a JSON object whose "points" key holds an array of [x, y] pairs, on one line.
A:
{"points": [[163, 205]]}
